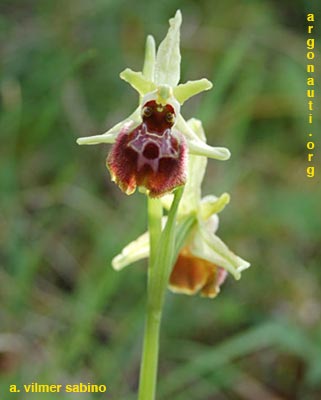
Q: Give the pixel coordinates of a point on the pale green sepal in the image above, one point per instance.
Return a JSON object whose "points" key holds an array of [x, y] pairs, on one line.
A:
{"points": [[212, 205], [196, 125], [196, 140], [136, 79], [97, 139], [186, 90], [185, 128], [134, 251], [110, 136], [150, 58], [202, 149], [209, 246], [168, 58]]}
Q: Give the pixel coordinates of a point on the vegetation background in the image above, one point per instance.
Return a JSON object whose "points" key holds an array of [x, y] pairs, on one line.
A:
{"points": [[66, 316]]}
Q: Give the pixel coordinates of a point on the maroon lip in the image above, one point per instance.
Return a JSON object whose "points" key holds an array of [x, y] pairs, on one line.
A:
{"points": [[152, 155]]}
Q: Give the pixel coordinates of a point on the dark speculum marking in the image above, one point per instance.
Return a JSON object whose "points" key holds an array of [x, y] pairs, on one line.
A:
{"points": [[152, 160]]}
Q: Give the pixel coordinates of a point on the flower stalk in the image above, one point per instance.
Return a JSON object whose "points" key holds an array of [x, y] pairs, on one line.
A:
{"points": [[162, 246]]}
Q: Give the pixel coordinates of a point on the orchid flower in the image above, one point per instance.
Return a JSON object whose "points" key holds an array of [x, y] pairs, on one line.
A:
{"points": [[164, 156], [203, 261], [150, 146]]}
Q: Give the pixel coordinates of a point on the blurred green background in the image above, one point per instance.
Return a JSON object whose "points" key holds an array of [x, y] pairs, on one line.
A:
{"points": [[65, 315]]}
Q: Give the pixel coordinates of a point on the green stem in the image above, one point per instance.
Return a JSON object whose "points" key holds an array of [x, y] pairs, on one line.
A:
{"points": [[149, 363], [155, 214], [160, 263]]}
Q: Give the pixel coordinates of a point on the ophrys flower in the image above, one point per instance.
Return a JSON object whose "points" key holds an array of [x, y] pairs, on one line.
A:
{"points": [[150, 145]]}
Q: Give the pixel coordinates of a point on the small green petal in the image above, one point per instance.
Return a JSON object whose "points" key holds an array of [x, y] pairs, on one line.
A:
{"points": [[150, 59], [212, 205], [168, 58], [186, 90], [136, 79], [134, 251]]}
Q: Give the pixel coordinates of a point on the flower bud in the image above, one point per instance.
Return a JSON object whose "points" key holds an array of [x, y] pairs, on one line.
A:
{"points": [[191, 275]]}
